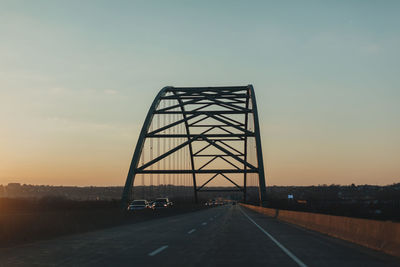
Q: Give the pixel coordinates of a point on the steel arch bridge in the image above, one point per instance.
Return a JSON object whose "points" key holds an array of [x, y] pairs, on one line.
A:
{"points": [[193, 136]]}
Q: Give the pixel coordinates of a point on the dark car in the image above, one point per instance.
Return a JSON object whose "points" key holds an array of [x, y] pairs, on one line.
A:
{"points": [[161, 203], [140, 204]]}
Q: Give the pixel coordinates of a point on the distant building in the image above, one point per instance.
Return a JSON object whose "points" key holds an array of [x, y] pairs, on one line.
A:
{"points": [[13, 185]]}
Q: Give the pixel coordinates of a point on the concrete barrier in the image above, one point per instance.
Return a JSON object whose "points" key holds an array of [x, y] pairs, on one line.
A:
{"points": [[379, 235]]}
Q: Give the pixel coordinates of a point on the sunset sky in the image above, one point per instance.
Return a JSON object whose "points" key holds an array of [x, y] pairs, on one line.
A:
{"points": [[77, 79]]}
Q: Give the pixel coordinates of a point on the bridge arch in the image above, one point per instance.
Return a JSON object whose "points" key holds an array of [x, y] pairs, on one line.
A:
{"points": [[193, 132]]}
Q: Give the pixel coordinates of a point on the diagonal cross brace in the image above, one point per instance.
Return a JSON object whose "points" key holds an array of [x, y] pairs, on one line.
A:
{"points": [[223, 104], [193, 101], [166, 154], [208, 162], [229, 153], [209, 180], [231, 147], [230, 124], [231, 181], [172, 124], [229, 162]]}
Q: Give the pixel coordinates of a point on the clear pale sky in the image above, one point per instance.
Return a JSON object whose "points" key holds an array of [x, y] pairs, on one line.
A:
{"points": [[77, 78]]}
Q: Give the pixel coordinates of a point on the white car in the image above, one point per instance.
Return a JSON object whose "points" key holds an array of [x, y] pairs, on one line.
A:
{"points": [[140, 204]]}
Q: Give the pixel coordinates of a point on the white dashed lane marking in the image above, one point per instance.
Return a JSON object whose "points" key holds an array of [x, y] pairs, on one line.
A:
{"points": [[155, 252]]}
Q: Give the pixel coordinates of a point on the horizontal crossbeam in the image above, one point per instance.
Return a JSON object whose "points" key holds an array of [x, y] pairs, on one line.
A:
{"points": [[213, 89], [196, 171], [219, 155], [202, 112], [239, 96], [220, 190], [193, 135]]}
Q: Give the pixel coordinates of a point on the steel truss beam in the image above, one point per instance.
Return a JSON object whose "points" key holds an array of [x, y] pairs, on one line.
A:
{"points": [[197, 171], [223, 106]]}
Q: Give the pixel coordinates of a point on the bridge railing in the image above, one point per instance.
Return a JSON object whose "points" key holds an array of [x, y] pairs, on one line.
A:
{"points": [[379, 235]]}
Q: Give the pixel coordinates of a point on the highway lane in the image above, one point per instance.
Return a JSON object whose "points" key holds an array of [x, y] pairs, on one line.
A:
{"points": [[221, 236]]}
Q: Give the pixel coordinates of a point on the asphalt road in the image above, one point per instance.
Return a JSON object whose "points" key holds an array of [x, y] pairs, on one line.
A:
{"points": [[221, 236]]}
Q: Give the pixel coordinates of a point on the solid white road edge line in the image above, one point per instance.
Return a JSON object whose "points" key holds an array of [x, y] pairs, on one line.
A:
{"points": [[155, 252], [290, 254]]}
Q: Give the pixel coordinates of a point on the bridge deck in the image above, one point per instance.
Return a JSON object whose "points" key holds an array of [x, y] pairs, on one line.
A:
{"points": [[222, 236]]}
